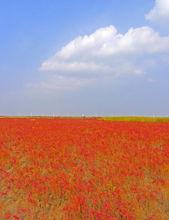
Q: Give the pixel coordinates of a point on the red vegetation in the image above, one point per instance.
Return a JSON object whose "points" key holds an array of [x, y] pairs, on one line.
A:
{"points": [[53, 169]]}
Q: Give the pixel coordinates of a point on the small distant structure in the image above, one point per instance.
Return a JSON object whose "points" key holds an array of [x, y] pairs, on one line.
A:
{"points": [[83, 116]]}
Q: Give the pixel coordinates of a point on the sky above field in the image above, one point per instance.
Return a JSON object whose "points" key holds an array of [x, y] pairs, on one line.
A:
{"points": [[99, 57]]}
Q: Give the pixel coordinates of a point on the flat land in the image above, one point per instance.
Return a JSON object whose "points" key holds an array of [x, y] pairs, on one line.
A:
{"points": [[84, 168]]}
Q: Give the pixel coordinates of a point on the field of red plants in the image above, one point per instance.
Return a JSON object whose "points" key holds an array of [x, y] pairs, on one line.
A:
{"points": [[89, 169]]}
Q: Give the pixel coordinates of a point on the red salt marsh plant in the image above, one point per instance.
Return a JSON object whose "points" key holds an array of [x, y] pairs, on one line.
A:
{"points": [[52, 169]]}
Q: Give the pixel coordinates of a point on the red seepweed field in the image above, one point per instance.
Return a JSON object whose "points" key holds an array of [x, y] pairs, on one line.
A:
{"points": [[84, 168]]}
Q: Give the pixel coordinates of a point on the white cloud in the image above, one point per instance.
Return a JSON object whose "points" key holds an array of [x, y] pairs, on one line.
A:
{"points": [[160, 11], [106, 53]]}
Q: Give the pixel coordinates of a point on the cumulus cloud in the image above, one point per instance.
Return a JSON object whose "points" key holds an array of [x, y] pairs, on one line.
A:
{"points": [[107, 53], [160, 11]]}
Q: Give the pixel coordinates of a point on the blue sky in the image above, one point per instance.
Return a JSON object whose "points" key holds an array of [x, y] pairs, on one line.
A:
{"points": [[99, 57]]}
